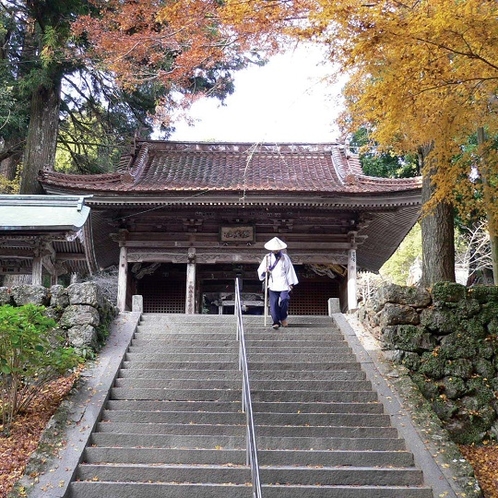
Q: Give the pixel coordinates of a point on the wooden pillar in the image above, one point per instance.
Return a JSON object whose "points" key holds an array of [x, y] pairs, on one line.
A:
{"points": [[37, 271], [122, 276], [352, 301], [191, 274]]}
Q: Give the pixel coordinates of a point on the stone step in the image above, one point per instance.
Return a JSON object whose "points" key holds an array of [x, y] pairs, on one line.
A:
{"points": [[198, 357], [274, 358], [296, 375], [212, 474], [158, 329], [167, 405], [235, 394], [177, 395], [85, 489], [157, 373], [331, 443], [287, 337], [143, 418], [229, 333], [290, 349], [168, 441], [345, 491], [177, 338], [314, 396], [322, 366], [236, 406], [175, 384], [197, 347], [223, 441], [173, 425], [152, 456], [169, 428], [322, 420], [183, 346], [256, 385], [170, 374], [351, 431], [96, 454], [160, 490], [240, 474], [176, 365], [317, 407], [289, 431], [327, 342], [276, 341]]}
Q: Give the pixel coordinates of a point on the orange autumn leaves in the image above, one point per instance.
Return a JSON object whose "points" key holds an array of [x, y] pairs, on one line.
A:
{"points": [[422, 74], [169, 41]]}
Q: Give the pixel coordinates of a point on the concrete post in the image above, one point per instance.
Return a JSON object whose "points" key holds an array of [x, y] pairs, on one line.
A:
{"points": [[334, 305], [137, 303]]}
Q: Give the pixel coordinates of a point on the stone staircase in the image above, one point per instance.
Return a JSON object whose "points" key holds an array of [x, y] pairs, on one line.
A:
{"points": [[173, 426]]}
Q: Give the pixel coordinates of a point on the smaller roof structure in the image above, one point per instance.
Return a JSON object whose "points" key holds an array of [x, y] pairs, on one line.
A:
{"points": [[56, 229]]}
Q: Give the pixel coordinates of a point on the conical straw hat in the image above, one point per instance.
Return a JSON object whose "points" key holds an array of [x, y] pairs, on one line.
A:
{"points": [[275, 244]]}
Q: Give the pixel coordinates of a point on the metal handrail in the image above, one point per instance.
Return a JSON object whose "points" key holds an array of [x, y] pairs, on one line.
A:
{"points": [[252, 448]]}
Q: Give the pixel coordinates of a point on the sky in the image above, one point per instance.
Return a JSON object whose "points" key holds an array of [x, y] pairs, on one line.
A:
{"points": [[287, 100]]}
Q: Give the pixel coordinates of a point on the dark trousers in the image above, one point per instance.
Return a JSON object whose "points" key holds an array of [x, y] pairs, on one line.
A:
{"points": [[279, 305]]}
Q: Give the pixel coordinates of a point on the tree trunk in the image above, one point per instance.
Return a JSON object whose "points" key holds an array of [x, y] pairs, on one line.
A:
{"points": [[438, 237], [41, 141], [489, 200], [9, 165]]}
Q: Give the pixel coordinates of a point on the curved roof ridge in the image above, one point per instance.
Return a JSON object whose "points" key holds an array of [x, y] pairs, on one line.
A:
{"points": [[221, 167], [138, 166]]}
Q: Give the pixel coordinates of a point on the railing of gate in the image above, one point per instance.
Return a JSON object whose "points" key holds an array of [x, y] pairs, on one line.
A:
{"points": [[252, 448]]}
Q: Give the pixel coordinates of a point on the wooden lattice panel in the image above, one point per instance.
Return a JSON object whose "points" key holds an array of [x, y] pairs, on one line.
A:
{"points": [[311, 298], [166, 297]]}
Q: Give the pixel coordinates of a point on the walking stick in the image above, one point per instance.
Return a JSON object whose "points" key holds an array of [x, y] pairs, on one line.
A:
{"points": [[266, 291]]}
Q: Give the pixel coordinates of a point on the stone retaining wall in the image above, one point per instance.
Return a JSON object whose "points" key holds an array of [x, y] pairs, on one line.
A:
{"points": [[448, 341], [81, 310]]}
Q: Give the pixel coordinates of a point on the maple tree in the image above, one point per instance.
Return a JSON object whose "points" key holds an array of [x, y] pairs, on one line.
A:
{"points": [[125, 64], [190, 47], [423, 78]]}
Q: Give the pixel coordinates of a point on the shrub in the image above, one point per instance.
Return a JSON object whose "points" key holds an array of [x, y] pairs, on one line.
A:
{"points": [[32, 354]]}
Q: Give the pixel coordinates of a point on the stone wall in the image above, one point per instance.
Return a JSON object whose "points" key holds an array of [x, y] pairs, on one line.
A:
{"points": [[81, 310], [448, 340]]}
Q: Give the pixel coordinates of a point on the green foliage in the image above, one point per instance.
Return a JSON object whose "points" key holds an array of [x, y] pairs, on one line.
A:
{"points": [[9, 186], [31, 355], [382, 164], [86, 146], [397, 267]]}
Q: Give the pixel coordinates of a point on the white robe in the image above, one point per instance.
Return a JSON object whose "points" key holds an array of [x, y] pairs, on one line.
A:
{"points": [[282, 276]]}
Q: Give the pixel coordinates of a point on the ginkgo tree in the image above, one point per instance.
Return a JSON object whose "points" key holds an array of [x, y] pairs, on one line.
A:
{"points": [[423, 78]]}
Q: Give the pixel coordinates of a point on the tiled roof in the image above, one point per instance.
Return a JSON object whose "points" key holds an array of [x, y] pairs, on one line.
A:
{"points": [[158, 167]]}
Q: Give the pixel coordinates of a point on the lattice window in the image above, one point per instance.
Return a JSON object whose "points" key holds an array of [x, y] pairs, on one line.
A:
{"points": [[165, 296], [311, 298]]}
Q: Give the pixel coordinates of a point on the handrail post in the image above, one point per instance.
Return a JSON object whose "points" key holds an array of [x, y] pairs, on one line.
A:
{"points": [[251, 446]]}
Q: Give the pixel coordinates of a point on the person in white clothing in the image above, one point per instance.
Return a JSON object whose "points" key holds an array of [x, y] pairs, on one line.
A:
{"points": [[279, 272]]}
